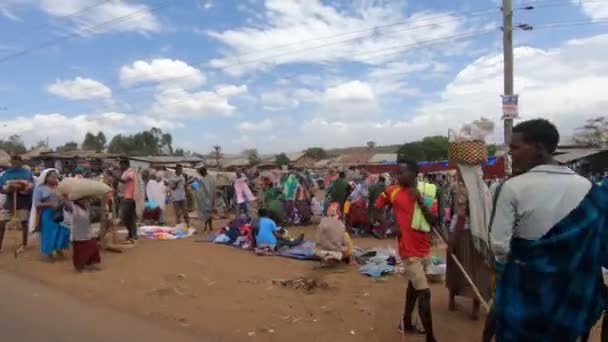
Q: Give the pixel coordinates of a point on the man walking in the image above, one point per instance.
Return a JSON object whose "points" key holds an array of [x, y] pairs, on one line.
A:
{"points": [[177, 185], [16, 183], [414, 244], [549, 234], [205, 199], [126, 192]]}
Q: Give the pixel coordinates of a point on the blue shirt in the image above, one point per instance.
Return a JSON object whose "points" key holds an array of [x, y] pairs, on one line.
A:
{"points": [[23, 201], [265, 236]]}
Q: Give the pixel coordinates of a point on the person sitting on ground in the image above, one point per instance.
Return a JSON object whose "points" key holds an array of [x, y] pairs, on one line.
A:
{"points": [[268, 234], [333, 243]]}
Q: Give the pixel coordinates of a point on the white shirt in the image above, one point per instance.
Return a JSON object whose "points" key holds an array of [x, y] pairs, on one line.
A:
{"points": [[530, 204]]}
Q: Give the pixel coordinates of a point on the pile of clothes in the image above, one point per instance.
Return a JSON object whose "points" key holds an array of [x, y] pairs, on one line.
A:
{"points": [[237, 233], [375, 262], [165, 233]]}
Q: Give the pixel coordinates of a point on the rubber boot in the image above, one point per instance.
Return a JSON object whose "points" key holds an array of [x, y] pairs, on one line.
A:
{"points": [[424, 310], [489, 328], [408, 309]]}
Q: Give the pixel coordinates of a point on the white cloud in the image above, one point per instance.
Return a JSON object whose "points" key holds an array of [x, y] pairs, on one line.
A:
{"points": [[60, 128], [80, 89], [593, 9], [166, 72], [567, 93], [389, 79], [306, 95], [205, 5], [250, 127], [273, 43], [278, 100], [9, 14], [231, 90], [94, 16], [350, 101], [179, 103]]}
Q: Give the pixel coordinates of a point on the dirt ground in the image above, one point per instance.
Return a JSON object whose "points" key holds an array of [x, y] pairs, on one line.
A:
{"points": [[230, 293]]}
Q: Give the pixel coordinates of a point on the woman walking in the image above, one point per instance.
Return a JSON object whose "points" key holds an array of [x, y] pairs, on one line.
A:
{"points": [[468, 237], [54, 237]]}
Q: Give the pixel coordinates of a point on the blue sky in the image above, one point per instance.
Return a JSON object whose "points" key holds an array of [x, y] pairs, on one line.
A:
{"points": [[282, 75]]}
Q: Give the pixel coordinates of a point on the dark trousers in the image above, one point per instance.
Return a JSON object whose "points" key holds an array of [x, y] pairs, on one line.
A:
{"points": [[128, 217], [24, 230]]}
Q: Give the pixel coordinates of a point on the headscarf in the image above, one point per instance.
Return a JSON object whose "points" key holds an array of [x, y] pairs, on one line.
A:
{"points": [[42, 178], [290, 187], [334, 210]]}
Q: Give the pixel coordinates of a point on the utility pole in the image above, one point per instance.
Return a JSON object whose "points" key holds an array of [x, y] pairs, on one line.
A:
{"points": [[507, 45]]}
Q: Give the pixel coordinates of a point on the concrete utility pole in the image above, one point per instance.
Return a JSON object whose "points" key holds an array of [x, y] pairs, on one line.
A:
{"points": [[507, 45]]}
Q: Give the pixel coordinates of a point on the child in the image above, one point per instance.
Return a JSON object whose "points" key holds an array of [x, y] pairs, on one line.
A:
{"points": [[85, 250]]}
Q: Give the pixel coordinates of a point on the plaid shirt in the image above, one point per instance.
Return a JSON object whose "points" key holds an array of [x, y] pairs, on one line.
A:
{"points": [[552, 288]]}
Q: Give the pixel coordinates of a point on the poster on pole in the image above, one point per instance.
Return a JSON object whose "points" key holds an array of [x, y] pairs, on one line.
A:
{"points": [[510, 105]]}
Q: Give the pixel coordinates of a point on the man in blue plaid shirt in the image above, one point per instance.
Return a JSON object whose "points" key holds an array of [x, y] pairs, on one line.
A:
{"points": [[549, 234]]}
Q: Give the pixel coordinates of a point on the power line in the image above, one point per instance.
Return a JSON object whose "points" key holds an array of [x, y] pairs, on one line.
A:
{"points": [[548, 4], [400, 48], [432, 42], [602, 20], [73, 14], [469, 14], [426, 43], [77, 34], [253, 61]]}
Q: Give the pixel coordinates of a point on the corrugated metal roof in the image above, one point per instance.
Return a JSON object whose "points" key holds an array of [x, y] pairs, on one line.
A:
{"points": [[166, 159], [380, 158], [573, 155], [237, 162], [76, 154]]}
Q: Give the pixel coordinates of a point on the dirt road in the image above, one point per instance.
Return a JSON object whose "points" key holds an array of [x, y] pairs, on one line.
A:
{"points": [[31, 311]]}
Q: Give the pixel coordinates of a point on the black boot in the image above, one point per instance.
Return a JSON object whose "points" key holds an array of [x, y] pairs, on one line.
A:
{"points": [[489, 328], [410, 303], [424, 310]]}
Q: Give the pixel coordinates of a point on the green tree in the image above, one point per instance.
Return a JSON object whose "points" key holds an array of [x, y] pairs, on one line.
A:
{"points": [[317, 153], [413, 151], [435, 147], [67, 147], [179, 152], [253, 156], [371, 145], [492, 149], [593, 133], [101, 141], [217, 155], [281, 159], [40, 144], [14, 145], [94, 142], [147, 143], [166, 142], [120, 145]]}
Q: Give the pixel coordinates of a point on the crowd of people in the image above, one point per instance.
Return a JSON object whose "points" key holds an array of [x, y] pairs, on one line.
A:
{"points": [[532, 245]]}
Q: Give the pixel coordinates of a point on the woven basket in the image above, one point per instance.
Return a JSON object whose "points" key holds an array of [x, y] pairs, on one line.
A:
{"points": [[469, 152]]}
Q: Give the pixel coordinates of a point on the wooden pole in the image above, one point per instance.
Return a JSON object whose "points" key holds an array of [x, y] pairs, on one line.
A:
{"points": [[466, 275]]}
